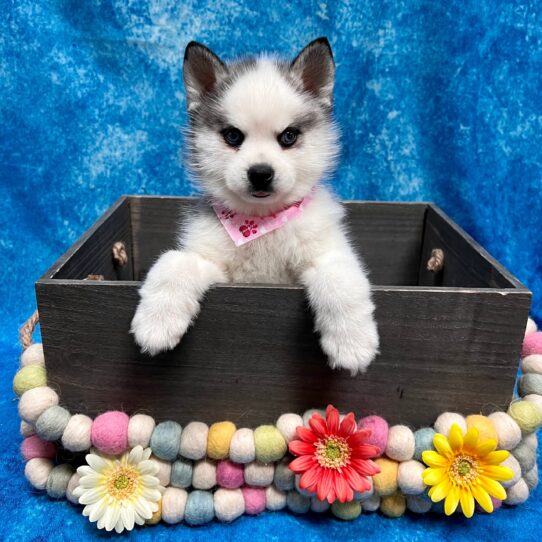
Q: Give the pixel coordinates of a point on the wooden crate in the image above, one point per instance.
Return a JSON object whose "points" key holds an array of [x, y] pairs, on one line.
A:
{"points": [[449, 341]]}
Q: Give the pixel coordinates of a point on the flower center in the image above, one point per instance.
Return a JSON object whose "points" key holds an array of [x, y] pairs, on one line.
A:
{"points": [[122, 482], [332, 452], [464, 469]]}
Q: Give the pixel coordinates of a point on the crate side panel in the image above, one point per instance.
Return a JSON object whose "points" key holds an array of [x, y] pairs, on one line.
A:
{"points": [[94, 255], [155, 224], [388, 236], [464, 264], [252, 355]]}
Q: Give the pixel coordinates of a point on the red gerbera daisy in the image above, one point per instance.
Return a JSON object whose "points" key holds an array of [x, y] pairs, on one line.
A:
{"points": [[334, 457]]}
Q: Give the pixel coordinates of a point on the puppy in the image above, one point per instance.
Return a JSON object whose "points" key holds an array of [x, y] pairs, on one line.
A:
{"points": [[261, 139]]}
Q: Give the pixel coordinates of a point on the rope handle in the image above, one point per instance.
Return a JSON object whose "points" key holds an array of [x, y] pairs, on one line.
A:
{"points": [[436, 261], [27, 330]]}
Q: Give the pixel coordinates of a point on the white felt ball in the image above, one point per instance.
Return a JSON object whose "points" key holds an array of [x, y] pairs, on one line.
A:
{"points": [[275, 499], [372, 504], [76, 436], [259, 474], [287, 425], [530, 327], [447, 419], [410, 477], [27, 430], [308, 414], [303, 492], [72, 484], [37, 471], [33, 355], [534, 398], [173, 504], [36, 401], [319, 506], [512, 463], [401, 443], [508, 430], [298, 504], [365, 494], [242, 447], [518, 493], [140, 428], [532, 364], [531, 478], [229, 504], [164, 470], [204, 474], [194, 440], [418, 504]]}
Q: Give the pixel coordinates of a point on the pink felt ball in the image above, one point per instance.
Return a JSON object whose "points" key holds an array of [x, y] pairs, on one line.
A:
{"points": [[532, 344], [379, 431], [254, 500], [496, 505], [229, 475], [109, 432], [35, 446]]}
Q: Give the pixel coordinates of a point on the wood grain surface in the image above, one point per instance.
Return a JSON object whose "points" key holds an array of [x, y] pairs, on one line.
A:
{"points": [[252, 353]]}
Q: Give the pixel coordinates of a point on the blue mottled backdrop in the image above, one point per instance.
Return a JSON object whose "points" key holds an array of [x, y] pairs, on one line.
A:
{"points": [[437, 101]]}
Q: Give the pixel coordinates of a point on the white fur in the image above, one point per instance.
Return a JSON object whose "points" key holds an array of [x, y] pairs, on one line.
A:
{"points": [[312, 250]]}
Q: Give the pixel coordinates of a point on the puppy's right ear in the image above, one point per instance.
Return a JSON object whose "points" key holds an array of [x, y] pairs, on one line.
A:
{"points": [[202, 71]]}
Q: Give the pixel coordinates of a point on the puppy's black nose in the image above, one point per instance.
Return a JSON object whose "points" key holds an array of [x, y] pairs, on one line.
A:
{"points": [[261, 176]]}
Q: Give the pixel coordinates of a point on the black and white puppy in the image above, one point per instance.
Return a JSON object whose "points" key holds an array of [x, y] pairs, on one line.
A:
{"points": [[261, 139]]}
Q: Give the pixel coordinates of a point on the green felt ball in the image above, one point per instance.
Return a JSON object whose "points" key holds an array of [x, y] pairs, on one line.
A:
{"points": [[346, 510], [31, 376], [269, 443], [527, 415]]}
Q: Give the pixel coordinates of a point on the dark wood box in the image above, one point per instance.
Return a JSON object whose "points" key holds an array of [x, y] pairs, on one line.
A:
{"points": [[449, 340]]}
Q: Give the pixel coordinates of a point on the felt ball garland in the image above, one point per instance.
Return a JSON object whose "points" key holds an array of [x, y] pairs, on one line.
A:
{"points": [[222, 472]]}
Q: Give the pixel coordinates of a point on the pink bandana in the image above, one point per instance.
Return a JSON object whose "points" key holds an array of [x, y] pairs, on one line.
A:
{"points": [[245, 228]]}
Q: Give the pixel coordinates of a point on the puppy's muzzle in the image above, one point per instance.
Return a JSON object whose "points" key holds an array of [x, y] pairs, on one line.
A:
{"points": [[261, 177]]}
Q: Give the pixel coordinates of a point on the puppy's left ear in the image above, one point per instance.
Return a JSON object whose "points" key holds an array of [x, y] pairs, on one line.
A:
{"points": [[314, 68]]}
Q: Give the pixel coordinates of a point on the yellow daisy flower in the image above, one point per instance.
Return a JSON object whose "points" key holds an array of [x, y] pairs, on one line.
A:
{"points": [[119, 492], [463, 469]]}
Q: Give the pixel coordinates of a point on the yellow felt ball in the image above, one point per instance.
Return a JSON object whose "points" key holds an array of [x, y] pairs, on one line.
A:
{"points": [[269, 443], [28, 377], [156, 516], [219, 439], [527, 415], [393, 506], [486, 429], [385, 482]]}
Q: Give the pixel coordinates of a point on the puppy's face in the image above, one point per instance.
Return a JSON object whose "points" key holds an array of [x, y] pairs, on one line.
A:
{"points": [[261, 133]]}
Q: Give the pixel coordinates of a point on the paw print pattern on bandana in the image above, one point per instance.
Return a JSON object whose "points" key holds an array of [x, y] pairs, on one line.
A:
{"points": [[227, 214], [245, 228], [249, 228]]}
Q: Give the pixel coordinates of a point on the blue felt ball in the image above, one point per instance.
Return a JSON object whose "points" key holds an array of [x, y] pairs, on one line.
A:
{"points": [[199, 508], [423, 439], [166, 440], [181, 473]]}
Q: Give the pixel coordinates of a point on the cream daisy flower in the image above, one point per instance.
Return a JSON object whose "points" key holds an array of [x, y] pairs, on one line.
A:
{"points": [[118, 493]]}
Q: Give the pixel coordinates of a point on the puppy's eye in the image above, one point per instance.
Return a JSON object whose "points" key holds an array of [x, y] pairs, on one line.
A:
{"points": [[288, 137], [233, 137]]}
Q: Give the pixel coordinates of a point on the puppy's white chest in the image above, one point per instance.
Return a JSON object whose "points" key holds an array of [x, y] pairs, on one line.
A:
{"points": [[262, 260]]}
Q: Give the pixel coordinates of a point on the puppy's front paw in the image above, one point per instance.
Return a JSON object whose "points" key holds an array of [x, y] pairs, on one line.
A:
{"points": [[156, 327], [353, 349]]}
